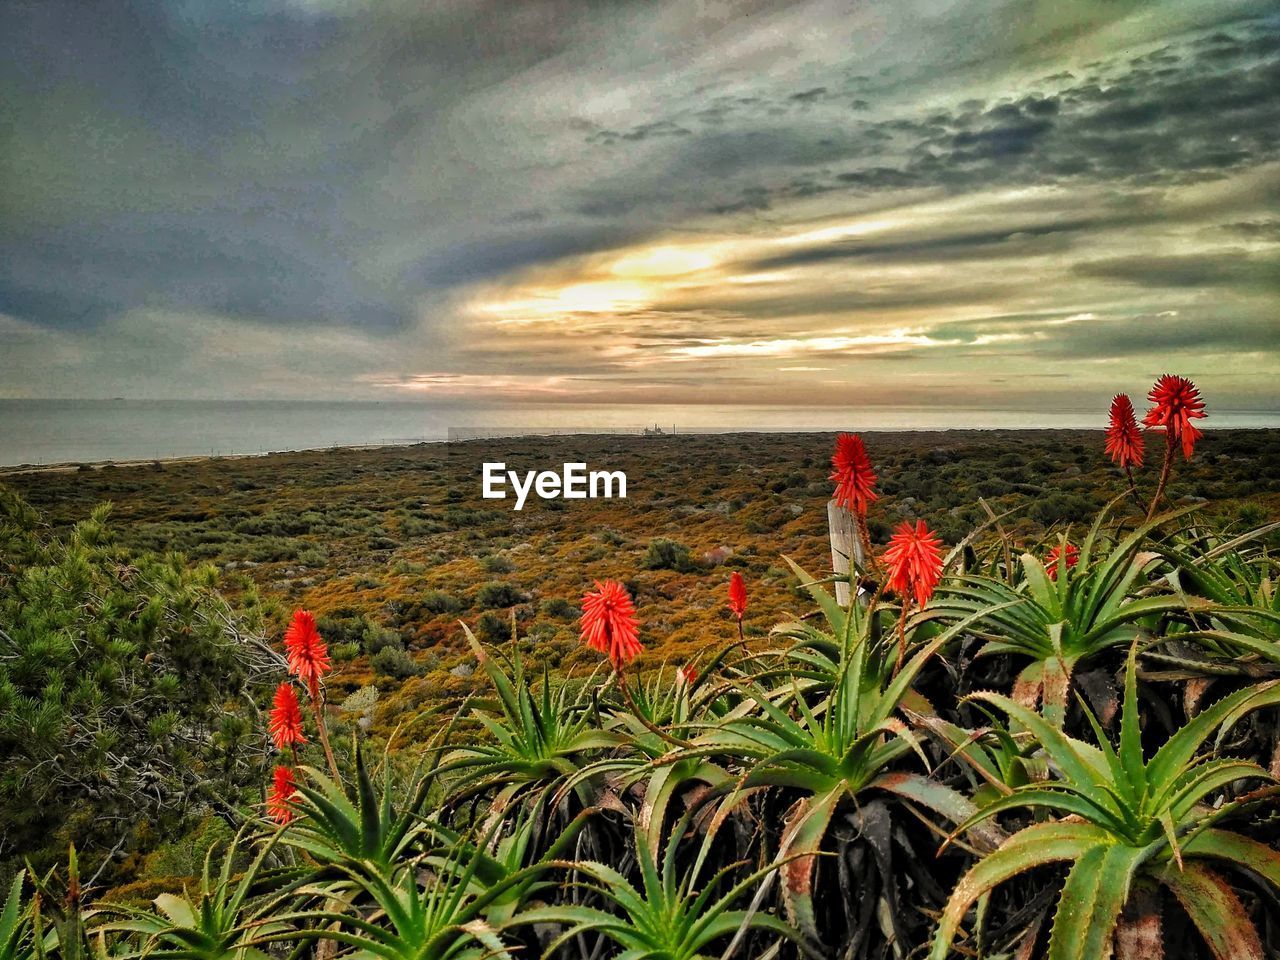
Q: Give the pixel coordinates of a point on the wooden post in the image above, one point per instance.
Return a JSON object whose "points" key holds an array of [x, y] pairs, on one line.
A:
{"points": [[844, 545]]}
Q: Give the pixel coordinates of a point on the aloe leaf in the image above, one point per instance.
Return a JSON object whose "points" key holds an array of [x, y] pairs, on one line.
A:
{"points": [[941, 799], [1091, 901], [9, 916], [1168, 763], [1056, 684], [1131, 758], [803, 837], [1269, 650], [1064, 752], [835, 614], [1043, 590], [1036, 845], [1235, 848], [1216, 912]]}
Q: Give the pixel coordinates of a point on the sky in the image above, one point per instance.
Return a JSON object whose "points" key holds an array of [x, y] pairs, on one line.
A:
{"points": [[998, 204]]}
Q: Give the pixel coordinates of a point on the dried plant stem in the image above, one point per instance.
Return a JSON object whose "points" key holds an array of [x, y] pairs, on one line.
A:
{"points": [[1133, 489], [317, 704], [869, 560], [1165, 470], [902, 633]]}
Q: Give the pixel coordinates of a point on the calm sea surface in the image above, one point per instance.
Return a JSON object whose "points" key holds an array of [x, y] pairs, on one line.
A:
{"points": [[59, 431]]}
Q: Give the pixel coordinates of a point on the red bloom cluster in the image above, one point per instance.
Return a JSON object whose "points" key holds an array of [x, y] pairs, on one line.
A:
{"points": [[853, 476], [609, 623], [1124, 437], [737, 595], [1175, 403], [914, 559], [283, 790], [286, 718], [306, 651], [308, 659], [1055, 555]]}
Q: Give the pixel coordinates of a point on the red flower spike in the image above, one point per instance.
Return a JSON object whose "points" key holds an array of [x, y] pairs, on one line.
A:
{"points": [[306, 650], [853, 476], [283, 790], [1054, 555], [914, 561], [609, 623], [286, 718], [1176, 402], [1124, 436], [737, 595]]}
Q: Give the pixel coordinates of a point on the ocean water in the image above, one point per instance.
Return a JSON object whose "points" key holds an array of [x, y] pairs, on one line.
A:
{"points": [[62, 431]]}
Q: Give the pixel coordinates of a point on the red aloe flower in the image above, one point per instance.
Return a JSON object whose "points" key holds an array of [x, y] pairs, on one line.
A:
{"points": [[308, 655], [686, 674], [609, 623], [1124, 436], [1176, 403], [914, 559], [286, 718], [283, 790], [1054, 555], [737, 595], [854, 479]]}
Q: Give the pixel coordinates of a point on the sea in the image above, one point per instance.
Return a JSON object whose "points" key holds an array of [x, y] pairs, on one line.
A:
{"points": [[45, 432]]}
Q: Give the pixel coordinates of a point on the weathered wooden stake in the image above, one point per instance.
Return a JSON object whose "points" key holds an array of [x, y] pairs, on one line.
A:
{"points": [[844, 546]]}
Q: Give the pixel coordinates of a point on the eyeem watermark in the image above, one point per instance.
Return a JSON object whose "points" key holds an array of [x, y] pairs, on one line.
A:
{"points": [[573, 482]]}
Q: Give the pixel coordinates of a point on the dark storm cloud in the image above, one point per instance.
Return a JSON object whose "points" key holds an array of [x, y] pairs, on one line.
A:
{"points": [[70, 278], [1191, 112], [1235, 269], [1253, 229], [361, 169], [1215, 334], [1031, 240], [226, 158]]}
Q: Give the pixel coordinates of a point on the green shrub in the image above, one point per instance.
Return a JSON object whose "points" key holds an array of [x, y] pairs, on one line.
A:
{"points": [[377, 638], [498, 594], [394, 661], [664, 554], [123, 683], [496, 563], [438, 601], [345, 652], [493, 627], [558, 607]]}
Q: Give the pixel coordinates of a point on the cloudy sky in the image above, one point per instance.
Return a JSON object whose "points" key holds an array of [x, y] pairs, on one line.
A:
{"points": [[696, 201]]}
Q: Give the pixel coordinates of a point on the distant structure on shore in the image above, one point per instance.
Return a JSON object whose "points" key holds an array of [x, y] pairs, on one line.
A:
{"points": [[498, 433]]}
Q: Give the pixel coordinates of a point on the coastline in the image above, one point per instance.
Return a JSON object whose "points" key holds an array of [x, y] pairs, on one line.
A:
{"points": [[73, 466]]}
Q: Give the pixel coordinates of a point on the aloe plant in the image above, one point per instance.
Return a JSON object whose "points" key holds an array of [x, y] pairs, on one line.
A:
{"points": [[514, 849], [361, 824], [1129, 821], [666, 917], [441, 915], [1242, 581], [536, 738], [19, 937], [684, 707], [1062, 622], [846, 748], [223, 920]]}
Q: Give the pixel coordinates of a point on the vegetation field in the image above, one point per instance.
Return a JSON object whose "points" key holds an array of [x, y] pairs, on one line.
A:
{"points": [[1049, 728], [392, 547]]}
